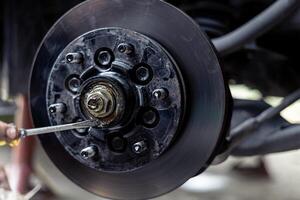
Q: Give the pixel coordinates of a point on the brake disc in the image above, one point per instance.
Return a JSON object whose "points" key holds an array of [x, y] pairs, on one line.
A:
{"points": [[149, 74]]}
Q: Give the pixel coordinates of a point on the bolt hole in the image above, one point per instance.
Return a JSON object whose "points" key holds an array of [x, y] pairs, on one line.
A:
{"points": [[142, 74], [84, 155], [52, 110], [117, 143], [104, 58], [70, 58], [148, 117], [73, 83], [80, 133]]}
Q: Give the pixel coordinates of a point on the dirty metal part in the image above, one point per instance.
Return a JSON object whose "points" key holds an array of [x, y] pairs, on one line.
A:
{"points": [[119, 98], [139, 147], [104, 58], [88, 152], [191, 119], [126, 48], [74, 58], [245, 129], [100, 101], [104, 99], [117, 143], [160, 94], [57, 108], [143, 74]]}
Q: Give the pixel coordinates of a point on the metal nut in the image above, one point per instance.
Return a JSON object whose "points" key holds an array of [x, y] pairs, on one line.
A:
{"points": [[100, 101]]}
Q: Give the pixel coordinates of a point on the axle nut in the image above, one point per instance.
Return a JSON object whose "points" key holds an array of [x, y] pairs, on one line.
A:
{"points": [[100, 101]]}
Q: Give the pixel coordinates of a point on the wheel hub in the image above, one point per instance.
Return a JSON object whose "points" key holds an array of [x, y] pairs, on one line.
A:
{"points": [[161, 74], [122, 85]]}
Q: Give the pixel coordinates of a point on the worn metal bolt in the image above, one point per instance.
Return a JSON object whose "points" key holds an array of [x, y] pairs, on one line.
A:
{"points": [[139, 147], [142, 73], [100, 101], [74, 58], [74, 84], [57, 108], [104, 58], [160, 94], [96, 103], [88, 152], [125, 48]]}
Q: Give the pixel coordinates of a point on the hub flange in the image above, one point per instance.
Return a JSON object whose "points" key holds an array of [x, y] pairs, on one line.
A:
{"points": [[95, 158], [116, 87]]}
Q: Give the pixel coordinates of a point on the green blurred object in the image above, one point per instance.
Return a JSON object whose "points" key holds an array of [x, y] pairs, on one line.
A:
{"points": [[7, 111], [7, 119]]}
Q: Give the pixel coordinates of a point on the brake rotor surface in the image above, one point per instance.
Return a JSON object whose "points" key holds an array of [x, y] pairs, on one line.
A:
{"points": [[198, 98]]}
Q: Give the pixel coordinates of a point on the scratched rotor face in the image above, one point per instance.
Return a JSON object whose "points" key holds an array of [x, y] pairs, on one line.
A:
{"points": [[150, 75]]}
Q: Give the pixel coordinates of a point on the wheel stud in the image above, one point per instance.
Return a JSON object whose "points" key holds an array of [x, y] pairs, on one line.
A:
{"points": [[160, 94], [74, 58], [139, 147], [88, 153], [125, 48], [57, 108]]}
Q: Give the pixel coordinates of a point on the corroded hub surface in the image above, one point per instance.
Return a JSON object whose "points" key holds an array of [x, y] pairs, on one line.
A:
{"points": [[127, 81], [100, 100]]}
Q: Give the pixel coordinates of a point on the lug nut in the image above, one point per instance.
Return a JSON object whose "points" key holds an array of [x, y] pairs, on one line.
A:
{"points": [[160, 94], [74, 84], [74, 58], [139, 147], [125, 48], [88, 152], [104, 58], [57, 108]]}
